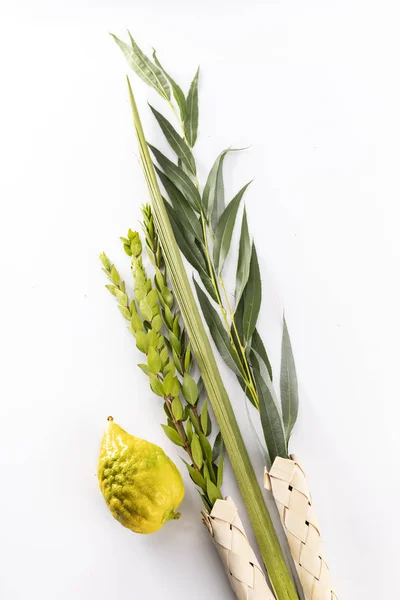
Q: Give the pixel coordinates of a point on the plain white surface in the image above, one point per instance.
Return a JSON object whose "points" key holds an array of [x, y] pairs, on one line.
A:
{"points": [[313, 87]]}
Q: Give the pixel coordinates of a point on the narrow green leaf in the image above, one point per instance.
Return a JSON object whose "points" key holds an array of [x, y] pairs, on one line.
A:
{"points": [[186, 242], [243, 266], [213, 492], [251, 297], [258, 346], [154, 361], [289, 388], [189, 389], [178, 94], [197, 452], [271, 421], [176, 142], [204, 418], [218, 447], [173, 435], [192, 111], [218, 333], [182, 207], [213, 194], [147, 71], [179, 178], [220, 471], [177, 409], [223, 233]]}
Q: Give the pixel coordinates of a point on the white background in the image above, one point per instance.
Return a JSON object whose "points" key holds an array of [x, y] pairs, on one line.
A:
{"points": [[312, 86]]}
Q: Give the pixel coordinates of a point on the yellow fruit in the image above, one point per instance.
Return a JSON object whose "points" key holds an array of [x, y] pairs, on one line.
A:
{"points": [[141, 486]]}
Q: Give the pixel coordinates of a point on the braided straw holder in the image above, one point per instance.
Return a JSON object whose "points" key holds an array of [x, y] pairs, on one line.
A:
{"points": [[240, 563], [288, 484]]}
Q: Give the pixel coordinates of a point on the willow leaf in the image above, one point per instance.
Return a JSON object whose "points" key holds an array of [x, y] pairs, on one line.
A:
{"points": [[258, 346], [271, 421], [223, 233], [213, 194], [243, 266], [176, 142], [147, 71], [179, 178], [218, 333], [181, 206], [251, 297], [192, 111], [186, 242], [176, 90], [288, 383], [222, 407]]}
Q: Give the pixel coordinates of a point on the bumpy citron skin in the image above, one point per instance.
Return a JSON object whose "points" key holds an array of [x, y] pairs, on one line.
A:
{"points": [[141, 486]]}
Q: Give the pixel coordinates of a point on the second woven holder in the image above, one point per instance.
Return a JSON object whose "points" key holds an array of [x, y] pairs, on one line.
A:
{"points": [[287, 482]]}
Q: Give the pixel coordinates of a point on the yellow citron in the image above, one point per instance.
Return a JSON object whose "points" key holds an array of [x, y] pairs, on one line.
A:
{"points": [[141, 486]]}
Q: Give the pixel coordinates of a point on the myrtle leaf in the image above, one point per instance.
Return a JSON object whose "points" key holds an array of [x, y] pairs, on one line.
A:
{"points": [[144, 368], [188, 358], [189, 389], [192, 111], [178, 94], [220, 471], [154, 361], [189, 219], [204, 418], [223, 233], [173, 435], [176, 142], [156, 385], [218, 447], [125, 312], [150, 73], [189, 431], [197, 452], [177, 409], [218, 333], [196, 476], [271, 421], [251, 297], [243, 266], [179, 178], [288, 383], [213, 492]]}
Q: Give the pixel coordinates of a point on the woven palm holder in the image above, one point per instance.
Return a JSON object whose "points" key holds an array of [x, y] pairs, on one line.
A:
{"points": [[241, 565], [287, 482]]}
